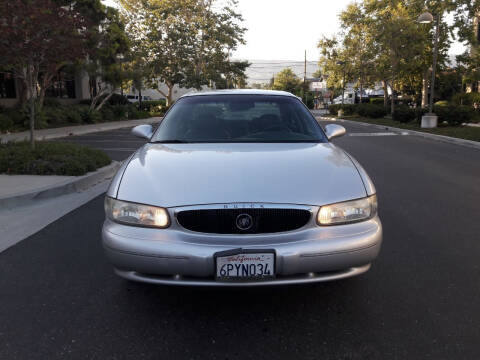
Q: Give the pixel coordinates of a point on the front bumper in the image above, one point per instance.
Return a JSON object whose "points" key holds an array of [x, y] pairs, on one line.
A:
{"points": [[180, 257]]}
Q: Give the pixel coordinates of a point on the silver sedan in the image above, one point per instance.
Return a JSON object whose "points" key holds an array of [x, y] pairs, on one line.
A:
{"points": [[240, 188]]}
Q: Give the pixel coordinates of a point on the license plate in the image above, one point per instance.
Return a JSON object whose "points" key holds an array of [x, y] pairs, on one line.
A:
{"points": [[245, 265]]}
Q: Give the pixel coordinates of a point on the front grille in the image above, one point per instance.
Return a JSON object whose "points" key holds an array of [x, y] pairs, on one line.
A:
{"points": [[224, 221]]}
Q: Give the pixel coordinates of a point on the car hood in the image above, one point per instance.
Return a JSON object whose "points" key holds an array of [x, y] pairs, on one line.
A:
{"points": [[172, 175]]}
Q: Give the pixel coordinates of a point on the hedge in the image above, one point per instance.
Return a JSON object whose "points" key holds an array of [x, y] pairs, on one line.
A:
{"points": [[54, 114], [454, 115], [50, 158], [371, 110]]}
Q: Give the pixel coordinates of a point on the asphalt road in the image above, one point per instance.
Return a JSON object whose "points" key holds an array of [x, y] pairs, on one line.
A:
{"points": [[421, 299]]}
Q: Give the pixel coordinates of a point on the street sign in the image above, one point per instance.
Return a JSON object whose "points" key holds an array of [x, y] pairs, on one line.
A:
{"points": [[317, 85]]}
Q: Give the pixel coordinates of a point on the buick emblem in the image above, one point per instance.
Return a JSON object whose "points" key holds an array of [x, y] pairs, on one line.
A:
{"points": [[244, 222]]}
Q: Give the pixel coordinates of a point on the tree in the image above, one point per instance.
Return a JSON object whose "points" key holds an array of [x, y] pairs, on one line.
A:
{"points": [[184, 42], [382, 42], [110, 52], [286, 80], [468, 33], [358, 43], [37, 38]]}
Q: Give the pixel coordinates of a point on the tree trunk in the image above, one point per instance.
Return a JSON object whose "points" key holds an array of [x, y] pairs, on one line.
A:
{"points": [[47, 78], [425, 89], [385, 93], [31, 103], [23, 91], [392, 102], [105, 99], [170, 93], [361, 91], [140, 98]]}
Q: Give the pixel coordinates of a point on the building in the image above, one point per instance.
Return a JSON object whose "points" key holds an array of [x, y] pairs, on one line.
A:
{"points": [[67, 89]]}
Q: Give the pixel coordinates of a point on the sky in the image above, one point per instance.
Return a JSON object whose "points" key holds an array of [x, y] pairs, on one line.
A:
{"points": [[284, 29]]}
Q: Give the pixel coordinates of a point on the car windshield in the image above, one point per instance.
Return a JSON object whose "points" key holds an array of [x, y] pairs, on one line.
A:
{"points": [[238, 118]]}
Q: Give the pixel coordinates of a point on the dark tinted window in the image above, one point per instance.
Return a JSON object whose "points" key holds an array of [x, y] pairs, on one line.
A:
{"points": [[239, 118]]}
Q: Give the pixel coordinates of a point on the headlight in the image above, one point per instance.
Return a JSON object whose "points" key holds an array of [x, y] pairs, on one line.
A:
{"points": [[136, 214], [348, 211]]}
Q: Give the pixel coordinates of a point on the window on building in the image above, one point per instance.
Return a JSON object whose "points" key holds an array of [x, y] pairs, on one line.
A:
{"points": [[7, 86], [63, 86]]}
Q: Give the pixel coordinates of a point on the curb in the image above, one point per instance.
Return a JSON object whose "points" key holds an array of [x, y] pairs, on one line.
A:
{"points": [[75, 130], [69, 186], [442, 138]]}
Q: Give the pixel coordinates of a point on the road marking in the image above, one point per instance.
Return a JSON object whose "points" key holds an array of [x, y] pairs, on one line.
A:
{"points": [[377, 134], [117, 149], [106, 141]]}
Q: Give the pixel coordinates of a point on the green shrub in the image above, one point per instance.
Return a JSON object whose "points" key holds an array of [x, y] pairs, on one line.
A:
{"points": [[333, 109], [107, 113], [454, 115], [85, 102], [17, 114], [90, 116], [349, 109], [51, 102], [119, 111], [155, 106], [134, 113], [117, 99], [404, 114], [377, 101], [419, 112], [466, 99], [40, 121], [73, 116], [54, 115], [50, 158], [371, 110], [5, 122], [441, 103]]}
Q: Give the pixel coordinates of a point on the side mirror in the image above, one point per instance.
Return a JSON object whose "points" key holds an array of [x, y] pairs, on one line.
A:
{"points": [[334, 130], [143, 131]]}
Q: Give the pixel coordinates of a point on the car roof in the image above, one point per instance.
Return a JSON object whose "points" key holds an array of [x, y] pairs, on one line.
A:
{"points": [[239, 92]]}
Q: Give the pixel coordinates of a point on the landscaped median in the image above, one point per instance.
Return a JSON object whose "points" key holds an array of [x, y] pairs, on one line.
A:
{"points": [[451, 119], [63, 168], [50, 158], [460, 132], [54, 115]]}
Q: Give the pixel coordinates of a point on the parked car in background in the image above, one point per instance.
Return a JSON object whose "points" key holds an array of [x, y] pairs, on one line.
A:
{"points": [[240, 188], [135, 98]]}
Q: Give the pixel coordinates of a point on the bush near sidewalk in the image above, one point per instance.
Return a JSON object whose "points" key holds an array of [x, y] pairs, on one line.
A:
{"points": [[453, 115], [50, 158], [54, 114]]}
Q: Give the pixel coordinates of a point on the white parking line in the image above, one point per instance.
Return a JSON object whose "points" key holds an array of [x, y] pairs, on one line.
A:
{"points": [[377, 134], [117, 149]]}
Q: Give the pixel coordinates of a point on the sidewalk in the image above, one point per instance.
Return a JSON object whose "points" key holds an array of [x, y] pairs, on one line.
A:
{"points": [[25, 190], [46, 134]]}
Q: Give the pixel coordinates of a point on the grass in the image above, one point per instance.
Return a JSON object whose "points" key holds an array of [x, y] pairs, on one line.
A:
{"points": [[461, 132], [50, 158]]}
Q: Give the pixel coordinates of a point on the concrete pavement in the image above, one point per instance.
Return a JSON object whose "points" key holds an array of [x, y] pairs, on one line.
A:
{"points": [[11, 185]]}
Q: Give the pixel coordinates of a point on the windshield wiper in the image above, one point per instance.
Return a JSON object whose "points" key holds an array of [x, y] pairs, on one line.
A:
{"points": [[174, 141]]}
